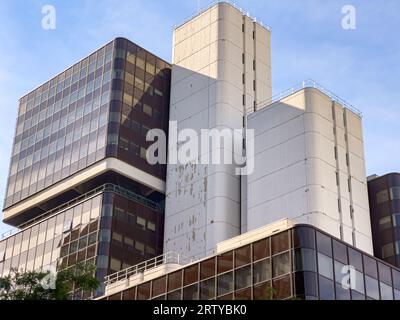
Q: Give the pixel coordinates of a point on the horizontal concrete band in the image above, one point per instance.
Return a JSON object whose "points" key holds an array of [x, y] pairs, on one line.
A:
{"points": [[109, 164]]}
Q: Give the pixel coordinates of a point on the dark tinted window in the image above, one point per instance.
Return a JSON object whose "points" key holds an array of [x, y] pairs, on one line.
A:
{"points": [[324, 244], [280, 242], [355, 259], [304, 237], [340, 252]]}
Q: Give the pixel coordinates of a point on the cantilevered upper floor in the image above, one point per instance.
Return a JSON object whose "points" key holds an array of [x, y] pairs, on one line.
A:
{"points": [[89, 120]]}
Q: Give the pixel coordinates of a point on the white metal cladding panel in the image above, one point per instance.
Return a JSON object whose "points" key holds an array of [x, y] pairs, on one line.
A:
{"points": [[354, 125], [190, 85], [276, 114], [357, 167], [360, 194], [278, 157], [317, 146], [342, 162], [346, 215], [243, 204], [347, 233], [362, 220], [190, 243], [277, 135], [323, 222], [316, 123], [277, 184], [318, 103], [323, 201], [230, 51], [232, 73], [339, 112], [344, 186], [184, 221], [356, 146], [322, 174], [224, 92], [364, 242], [289, 205], [340, 137]]}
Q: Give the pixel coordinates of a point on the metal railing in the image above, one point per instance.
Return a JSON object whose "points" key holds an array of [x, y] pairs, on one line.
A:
{"points": [[310, 84], [168, 257], [203, 8], [104, 188]]}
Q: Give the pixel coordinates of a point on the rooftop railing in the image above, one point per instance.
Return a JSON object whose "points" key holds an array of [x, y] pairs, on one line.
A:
{"points": [[310, 84], [201, 9], [166, 258]]}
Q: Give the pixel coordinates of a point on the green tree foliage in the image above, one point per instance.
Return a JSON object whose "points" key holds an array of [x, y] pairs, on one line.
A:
{"points": [[43, 285]]}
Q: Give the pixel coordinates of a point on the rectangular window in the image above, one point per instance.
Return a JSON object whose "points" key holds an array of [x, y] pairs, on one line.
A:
{"points": [[139, 83], [141, 222], [115, 264], [130, 57], [325, 267], [387, 251], [140, 63], [382, 196], [151, 226], [385, 223], [139, 246], [150, 68], [158, 92], [117, 237], [128, 241], [143, 153], [395, 193], [124, 144], [280, 264], [243, 278], [396, 219], [147, 110], [225, 283], [262, 271], [372, 287], [129, 78]]}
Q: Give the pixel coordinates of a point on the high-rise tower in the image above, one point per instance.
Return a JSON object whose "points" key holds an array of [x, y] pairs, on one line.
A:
{"points": [[309, 166], [221, 72], [80, 187]]}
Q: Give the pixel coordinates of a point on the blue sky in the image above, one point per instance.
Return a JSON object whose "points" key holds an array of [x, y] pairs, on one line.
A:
{"points": [[362, 65]]}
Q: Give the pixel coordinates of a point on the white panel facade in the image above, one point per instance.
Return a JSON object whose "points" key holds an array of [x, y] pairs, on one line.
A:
{"points": [[214, 85], [309, 167]]}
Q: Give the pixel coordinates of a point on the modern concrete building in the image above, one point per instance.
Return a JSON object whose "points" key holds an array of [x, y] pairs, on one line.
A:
{"points": [[221, 72], [384, 202], [280, 261], [80, 188], [82, 136], [309, 166]]}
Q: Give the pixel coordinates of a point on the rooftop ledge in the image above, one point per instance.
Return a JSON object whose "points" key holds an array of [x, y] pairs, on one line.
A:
{"points": [[309, 84], [203, 9]]}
